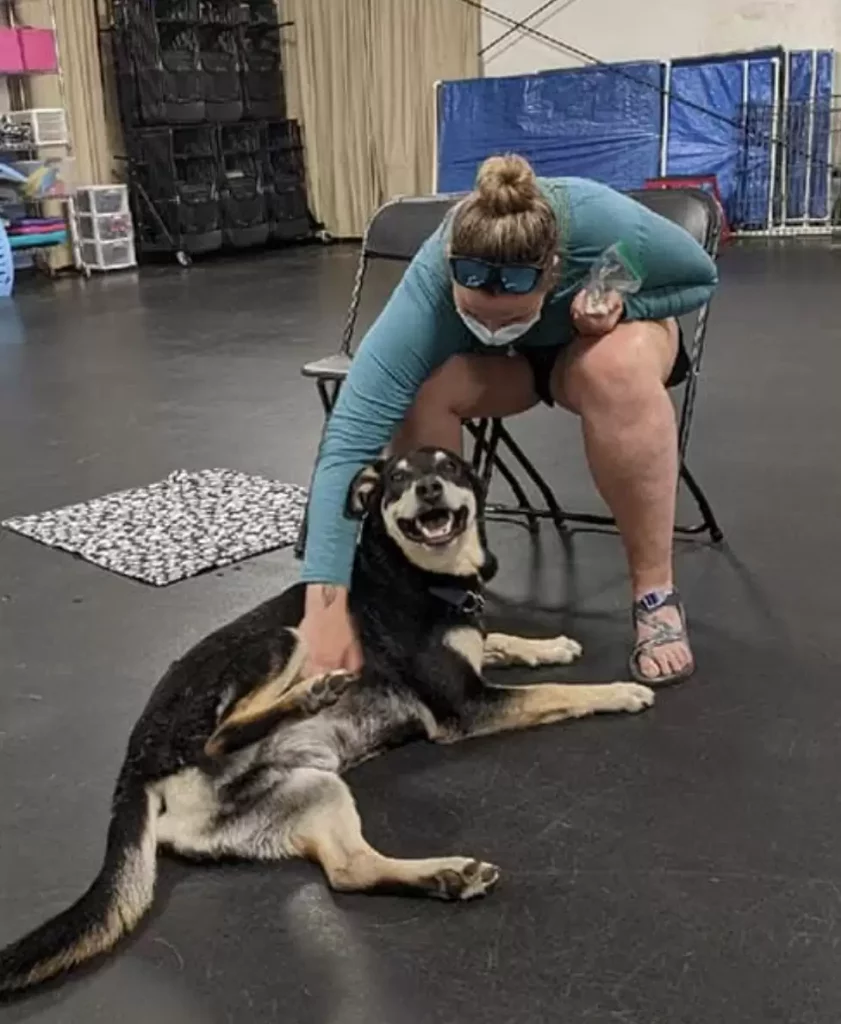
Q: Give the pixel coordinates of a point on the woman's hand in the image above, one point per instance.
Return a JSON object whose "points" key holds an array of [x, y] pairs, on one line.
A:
{"points": [[592, 320], [328, 632]]}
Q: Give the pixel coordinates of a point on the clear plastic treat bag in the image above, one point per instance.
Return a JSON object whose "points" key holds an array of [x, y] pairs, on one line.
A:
{"points": [[613, 271]]}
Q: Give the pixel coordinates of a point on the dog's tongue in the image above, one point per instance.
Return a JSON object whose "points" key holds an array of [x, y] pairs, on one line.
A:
{"points": [[436, 524]]}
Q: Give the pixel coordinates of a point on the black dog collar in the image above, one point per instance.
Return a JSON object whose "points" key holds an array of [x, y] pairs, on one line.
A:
{"points": [[464, 602]]}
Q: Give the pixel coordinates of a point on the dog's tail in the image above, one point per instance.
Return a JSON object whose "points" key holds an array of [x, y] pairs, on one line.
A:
{"points": [[112, 906]]}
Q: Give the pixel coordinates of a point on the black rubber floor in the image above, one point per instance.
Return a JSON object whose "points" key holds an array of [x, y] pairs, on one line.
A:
{"points": [[682, 867]]}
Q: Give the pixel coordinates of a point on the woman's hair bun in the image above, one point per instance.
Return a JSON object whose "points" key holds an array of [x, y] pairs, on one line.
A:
{"points": [[507, 185]]}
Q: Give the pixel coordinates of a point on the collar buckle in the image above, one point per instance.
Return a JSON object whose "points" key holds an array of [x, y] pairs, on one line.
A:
{"points": [[463, 602]]}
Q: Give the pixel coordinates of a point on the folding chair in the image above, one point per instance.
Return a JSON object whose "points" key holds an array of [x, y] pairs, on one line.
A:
{"points": [[395, 233]]}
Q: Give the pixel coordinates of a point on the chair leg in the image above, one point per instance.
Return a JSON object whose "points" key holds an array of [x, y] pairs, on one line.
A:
{"points": [[553, 509], [708, 523], [561, 517], [328, 395], [486, 459]]}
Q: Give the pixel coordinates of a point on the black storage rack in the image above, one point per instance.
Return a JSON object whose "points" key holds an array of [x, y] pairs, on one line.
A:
{"points": [[212, 161]]}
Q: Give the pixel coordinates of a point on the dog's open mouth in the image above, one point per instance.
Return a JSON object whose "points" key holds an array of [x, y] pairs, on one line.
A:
{"points": [[434, 527]]}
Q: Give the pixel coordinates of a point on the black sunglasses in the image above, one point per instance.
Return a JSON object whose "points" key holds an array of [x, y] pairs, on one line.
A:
{"points": [[513, 278]]}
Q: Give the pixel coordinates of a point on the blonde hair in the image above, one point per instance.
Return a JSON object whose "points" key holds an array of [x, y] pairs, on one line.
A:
{"points": [[506, 218]]}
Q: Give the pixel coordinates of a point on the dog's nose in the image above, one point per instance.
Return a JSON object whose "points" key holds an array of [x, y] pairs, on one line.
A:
{"points": [[429, 489]]}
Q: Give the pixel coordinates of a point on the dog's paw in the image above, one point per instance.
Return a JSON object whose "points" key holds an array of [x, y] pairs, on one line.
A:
{"points": [[630, 697], [557, 650], [463, 879], [323, 691]]}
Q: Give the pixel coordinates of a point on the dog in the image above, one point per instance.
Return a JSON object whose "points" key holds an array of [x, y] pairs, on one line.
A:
{"points": [[240, 754]]}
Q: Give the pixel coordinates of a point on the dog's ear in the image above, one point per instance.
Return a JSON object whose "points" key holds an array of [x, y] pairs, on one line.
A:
{"points": [[361, 488]]}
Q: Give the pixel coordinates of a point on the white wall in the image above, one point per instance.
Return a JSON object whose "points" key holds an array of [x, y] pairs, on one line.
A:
{"points": [[625, 30]]}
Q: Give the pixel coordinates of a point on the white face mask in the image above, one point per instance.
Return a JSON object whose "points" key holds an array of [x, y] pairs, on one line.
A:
{"points": [[504, 336]]}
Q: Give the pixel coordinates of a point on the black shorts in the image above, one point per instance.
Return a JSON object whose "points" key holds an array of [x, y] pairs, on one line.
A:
{"points": [[541, 359]]}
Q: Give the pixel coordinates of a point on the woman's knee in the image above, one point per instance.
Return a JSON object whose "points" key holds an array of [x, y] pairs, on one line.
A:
{"points": [[622, 369]]}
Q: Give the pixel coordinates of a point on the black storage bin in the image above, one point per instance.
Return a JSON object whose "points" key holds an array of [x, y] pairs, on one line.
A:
{"points": [[288, 212], [283, 163], [236, 140], [221, 73], [262, 76], [244, 214], [199, 218], [180, 69]]}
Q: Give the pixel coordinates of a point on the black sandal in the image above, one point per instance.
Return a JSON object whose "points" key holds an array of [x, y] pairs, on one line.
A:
{"points": [[662, 633]]}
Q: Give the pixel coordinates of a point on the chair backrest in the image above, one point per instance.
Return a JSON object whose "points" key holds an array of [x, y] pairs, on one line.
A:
{"points": [[695, 210], [398, 229], [395, 232]]}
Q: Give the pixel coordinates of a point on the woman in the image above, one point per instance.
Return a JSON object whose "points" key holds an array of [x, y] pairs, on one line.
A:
{"points": [[491, 318]]}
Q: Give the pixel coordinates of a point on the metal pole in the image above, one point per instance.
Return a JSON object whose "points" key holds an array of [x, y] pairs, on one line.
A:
{"points": [[774, 140], [742, 199], [664, 131], [436, 99], [829, 141], [810, 137], [784, 121]]}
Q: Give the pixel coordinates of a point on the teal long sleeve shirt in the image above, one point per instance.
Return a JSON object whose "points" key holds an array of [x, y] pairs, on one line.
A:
{"points": [[419, 329]]}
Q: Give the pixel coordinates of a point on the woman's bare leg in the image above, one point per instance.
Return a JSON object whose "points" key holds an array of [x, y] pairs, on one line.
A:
{"points": [[466, 387], [616, 385]]}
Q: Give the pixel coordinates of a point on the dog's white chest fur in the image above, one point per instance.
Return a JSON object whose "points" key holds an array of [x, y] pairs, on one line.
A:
{"points": [[468, 642]]}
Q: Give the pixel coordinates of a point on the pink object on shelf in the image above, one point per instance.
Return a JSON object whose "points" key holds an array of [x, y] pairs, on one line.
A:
{"points": [[11, 54], [38, 48]]}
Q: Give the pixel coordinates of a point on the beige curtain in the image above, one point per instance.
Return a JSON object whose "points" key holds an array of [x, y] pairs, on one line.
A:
{"points": [[362, 77], [327, 62], [77, 38], [93, 135]]}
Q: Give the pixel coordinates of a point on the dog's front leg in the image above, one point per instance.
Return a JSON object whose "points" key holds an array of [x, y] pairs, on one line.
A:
{"points": [[248, 723], [461, 703], [501, 709], [502, 650], [506, 708]]}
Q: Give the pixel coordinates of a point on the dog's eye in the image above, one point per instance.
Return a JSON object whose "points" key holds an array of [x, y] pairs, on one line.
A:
{"points": [[447, 465], [399, 476]]}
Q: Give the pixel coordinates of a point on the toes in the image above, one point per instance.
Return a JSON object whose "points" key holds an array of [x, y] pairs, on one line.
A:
{"points": [[466, 881], [633, 697], [326, 689], [562, 650], [665, 661], [649, 667]]}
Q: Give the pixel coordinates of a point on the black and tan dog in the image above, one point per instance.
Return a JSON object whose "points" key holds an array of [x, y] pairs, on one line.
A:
{"points": [[237, 754]]}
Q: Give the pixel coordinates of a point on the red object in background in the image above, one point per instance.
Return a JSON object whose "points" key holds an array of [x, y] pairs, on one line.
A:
{"points": [[707, 182]]}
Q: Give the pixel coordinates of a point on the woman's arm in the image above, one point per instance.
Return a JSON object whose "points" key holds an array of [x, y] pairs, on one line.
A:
{"points": [[679, 275], [415, 333]]}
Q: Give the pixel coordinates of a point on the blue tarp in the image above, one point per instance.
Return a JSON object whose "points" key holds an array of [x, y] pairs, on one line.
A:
{"points": [[797, 132], [707, 140], [753, 185], [597, 122], [819, 191], [721, 122], [808, 117]]}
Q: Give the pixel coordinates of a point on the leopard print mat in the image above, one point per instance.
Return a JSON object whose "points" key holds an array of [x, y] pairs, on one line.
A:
{"points": [[176, 528]]}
